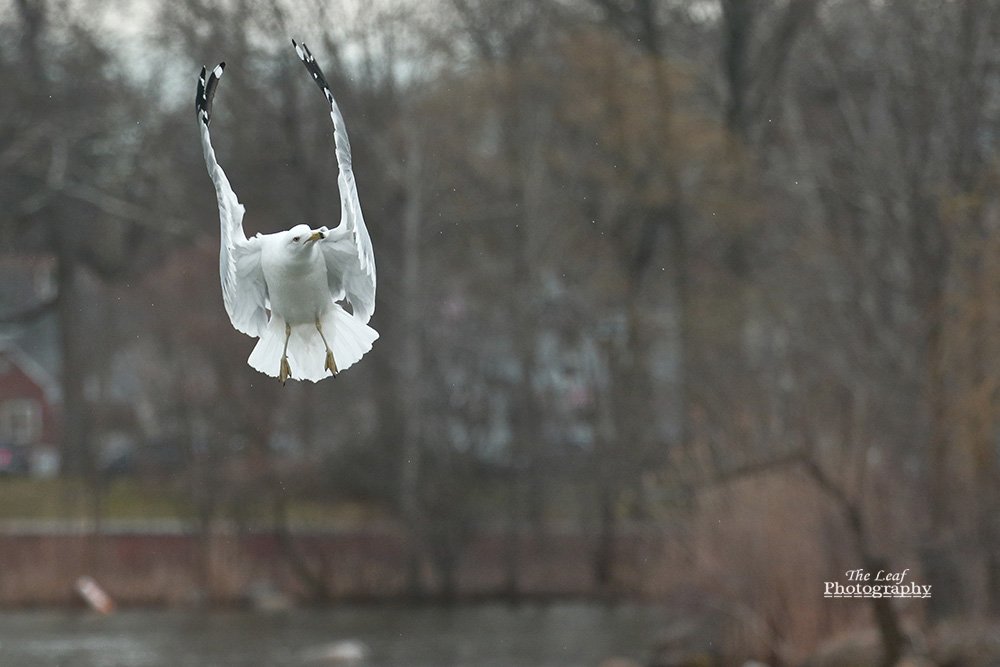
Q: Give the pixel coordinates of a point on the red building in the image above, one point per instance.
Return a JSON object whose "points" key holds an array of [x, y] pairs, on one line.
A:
{"points": [[29, 415]]}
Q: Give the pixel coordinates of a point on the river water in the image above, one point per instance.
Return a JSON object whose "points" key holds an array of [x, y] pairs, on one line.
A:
{"points": [[485, 635]]}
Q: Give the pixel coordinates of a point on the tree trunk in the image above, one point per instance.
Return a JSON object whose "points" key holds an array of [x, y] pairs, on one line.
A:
{"points": [[77, 455], [412, 364], [886, 619]]}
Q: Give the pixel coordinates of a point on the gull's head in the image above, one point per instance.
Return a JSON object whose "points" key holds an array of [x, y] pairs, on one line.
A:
{"points": [[301, 236]]}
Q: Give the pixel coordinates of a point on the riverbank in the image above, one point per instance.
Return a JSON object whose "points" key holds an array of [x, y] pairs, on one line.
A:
{"points": [[173, 564]]}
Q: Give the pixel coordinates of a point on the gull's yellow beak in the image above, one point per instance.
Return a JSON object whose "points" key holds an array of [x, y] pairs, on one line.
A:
{"points": [[316, 236]]}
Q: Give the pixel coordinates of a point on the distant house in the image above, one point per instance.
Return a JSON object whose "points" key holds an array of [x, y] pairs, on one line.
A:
{"points": [[30, 393], [29, 415]]}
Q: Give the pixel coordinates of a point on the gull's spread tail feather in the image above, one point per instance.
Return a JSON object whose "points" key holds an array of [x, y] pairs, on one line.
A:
{"points": [[348, 336]]}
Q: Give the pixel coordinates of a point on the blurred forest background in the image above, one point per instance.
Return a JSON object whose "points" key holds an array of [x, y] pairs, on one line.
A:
{"points": [[716, 275]]}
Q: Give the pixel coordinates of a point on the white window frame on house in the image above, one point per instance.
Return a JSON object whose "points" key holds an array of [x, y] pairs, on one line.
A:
{"points": [[20, 421]]}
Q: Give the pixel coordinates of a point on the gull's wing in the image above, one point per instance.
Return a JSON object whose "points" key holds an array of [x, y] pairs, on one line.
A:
{"points": [[243, 288], [348, 248]]}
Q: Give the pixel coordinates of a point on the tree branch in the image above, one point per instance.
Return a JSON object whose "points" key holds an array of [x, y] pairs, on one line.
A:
{"points": [[29, 314], [120, 208]]}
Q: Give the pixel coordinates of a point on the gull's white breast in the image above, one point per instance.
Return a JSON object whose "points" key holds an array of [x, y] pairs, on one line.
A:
{"points": [[296, 283]]}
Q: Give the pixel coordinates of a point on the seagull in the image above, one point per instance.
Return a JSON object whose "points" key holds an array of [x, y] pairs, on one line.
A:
{"points": [[286, 289]]}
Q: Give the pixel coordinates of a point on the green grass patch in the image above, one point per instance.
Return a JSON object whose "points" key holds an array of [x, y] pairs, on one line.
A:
{"points": [[23, 498]]}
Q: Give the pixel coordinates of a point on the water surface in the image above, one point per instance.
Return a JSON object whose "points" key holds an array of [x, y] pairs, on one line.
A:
{"points": [[488, 635]]}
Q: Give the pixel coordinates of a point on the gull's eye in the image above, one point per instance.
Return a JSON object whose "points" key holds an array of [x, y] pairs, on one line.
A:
{"points": [[296, 239]]}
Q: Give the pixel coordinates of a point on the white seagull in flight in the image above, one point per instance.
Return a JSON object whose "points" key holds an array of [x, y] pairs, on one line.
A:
{"points": [[284, 288]]}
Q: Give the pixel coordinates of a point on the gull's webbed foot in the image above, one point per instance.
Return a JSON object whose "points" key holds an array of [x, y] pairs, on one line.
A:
{"points": [[286, 370], [330, 365]]}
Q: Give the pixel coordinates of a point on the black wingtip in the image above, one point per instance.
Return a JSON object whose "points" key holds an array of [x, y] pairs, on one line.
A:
{"points": [[199, 95], [312, 66], [207, 83]]}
